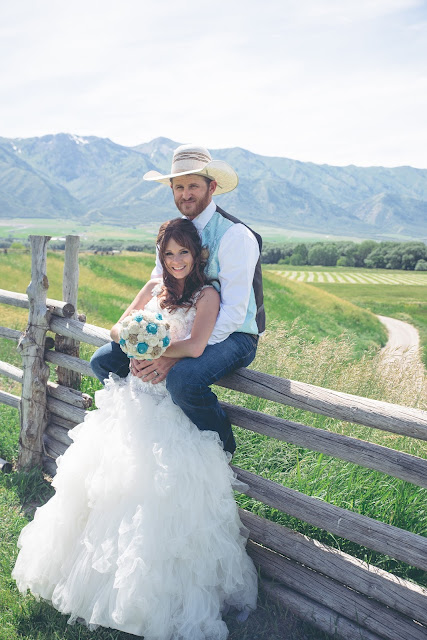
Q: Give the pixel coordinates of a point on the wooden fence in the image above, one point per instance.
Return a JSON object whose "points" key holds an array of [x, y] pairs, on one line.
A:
{"points": [[337, 592]]}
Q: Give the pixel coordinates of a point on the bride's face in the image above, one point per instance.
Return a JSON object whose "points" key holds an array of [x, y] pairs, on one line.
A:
{"points": [[178, 260]]}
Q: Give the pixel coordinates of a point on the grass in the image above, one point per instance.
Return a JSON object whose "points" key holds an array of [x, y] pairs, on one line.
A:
{"points": [[313, 336]]}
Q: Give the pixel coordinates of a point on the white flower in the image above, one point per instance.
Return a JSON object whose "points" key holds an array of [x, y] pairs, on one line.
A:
{"points": [[124, 333], [161, 331], [151, 340], [126, 321], [134, 327]]}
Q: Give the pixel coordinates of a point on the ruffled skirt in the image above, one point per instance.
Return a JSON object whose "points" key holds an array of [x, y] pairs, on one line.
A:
{"points": [[143, 533]]}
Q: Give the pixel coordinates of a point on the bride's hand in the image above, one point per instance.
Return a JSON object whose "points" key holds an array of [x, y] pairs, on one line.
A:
{"points": [[152, 370]]}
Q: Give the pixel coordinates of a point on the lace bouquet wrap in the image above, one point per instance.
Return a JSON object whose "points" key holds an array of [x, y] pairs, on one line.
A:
{"points": [[144, 335]]}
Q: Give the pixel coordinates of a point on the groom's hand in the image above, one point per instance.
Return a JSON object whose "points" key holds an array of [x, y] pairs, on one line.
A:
{"points": [[152, 370]]}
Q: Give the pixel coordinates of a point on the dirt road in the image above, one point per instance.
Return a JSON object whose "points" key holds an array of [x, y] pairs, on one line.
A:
{"points": [[403, 341]]}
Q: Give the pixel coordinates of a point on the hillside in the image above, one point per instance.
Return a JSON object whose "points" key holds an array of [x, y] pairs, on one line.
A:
{"points": [[94, 180], [108, 283]]}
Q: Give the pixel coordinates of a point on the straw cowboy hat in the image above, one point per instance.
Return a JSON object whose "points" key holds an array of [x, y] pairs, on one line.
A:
{"points": [[189, 158]]}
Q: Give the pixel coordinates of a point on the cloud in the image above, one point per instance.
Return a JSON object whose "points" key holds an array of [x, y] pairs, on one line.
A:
{"points": [[332, 81]]}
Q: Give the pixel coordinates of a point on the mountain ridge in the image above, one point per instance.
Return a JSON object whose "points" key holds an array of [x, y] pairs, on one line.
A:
{"points": [[95, 179]]}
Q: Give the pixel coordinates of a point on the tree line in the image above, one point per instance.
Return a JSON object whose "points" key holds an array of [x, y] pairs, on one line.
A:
{"points": [[370, 254], [410, 256]]}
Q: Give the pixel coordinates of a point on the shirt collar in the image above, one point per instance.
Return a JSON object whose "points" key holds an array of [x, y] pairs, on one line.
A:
{"points": [[203, 218]]}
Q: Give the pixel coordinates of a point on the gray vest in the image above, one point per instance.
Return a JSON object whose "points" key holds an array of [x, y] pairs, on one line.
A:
{"points": [[220, 222]]}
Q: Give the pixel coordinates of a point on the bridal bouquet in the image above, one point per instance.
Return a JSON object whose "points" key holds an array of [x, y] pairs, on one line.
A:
{"points": [[144, 335]]}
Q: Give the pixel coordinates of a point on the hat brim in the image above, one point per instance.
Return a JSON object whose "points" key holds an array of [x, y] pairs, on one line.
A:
{"points": [[223, 174]]}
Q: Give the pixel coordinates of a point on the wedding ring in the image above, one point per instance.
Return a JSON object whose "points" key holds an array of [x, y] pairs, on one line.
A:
{"points": [[156, 372]]}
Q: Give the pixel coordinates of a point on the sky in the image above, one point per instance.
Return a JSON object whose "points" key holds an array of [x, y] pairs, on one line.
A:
{"points": [[327, 81]]}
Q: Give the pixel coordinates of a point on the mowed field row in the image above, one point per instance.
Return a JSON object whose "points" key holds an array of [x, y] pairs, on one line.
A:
{"points": [[350, 277]]}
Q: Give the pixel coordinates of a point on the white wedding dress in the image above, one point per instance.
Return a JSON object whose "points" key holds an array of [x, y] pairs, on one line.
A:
{"points": [[143, 533]]}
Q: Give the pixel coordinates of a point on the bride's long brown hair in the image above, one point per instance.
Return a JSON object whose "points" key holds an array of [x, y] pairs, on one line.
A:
{"points": [[186, 235]]}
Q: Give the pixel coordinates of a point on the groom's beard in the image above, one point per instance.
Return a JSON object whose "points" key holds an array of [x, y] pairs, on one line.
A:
{"points": [[194, 206]]}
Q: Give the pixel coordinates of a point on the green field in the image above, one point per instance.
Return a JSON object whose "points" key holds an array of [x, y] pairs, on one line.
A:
{"points": [[315, 334], [398, 294], [23, 227]]}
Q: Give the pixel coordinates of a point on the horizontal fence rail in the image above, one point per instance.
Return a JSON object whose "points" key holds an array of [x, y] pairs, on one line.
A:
{"points": [[335, 404], [57, 307], [372, 456], [402, 595], [384, 538]]}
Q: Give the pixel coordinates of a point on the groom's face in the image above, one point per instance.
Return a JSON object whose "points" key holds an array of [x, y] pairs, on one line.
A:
{"points": [[192, 194]]}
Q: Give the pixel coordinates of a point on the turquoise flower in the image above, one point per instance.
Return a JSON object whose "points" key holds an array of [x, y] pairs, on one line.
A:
{"points": [[159, 316], [166, 341], [142, 347], [152, 328], [122, 342], [139, 317]]}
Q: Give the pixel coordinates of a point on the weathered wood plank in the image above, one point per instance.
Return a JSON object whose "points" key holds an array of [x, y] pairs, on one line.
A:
{"points": [[314, 613], [71, 396], [56, 432], [401, 595], [5, 466], [366, 612], [35, 370], [57, 307], [65, 410], [70, 284], [372, 413], [10, 399], [10, 334], [53, 447], [49, 465], [69, 362], [10, 371], [83, 332], [397, 543], [62, 422], [373, 456]]}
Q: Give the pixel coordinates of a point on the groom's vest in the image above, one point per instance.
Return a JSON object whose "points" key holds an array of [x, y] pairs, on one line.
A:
{"points": [[211, 237]]}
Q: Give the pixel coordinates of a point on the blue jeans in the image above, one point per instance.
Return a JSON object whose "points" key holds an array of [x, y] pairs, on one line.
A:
{"points": [[189, 379]]}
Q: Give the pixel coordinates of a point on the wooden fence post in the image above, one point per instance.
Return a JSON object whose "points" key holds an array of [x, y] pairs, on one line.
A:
{"points": [[70, 286], [35, 370]]}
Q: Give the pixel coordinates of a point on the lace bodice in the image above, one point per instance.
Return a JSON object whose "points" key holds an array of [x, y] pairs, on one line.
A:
{"points": [[180, 320]]}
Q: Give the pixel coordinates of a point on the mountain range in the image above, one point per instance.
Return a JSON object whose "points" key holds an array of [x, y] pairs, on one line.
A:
{"points": [[93, 179]]}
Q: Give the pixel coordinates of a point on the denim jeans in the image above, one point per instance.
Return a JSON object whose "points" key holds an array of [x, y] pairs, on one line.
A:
{"points": [[189, 380]]}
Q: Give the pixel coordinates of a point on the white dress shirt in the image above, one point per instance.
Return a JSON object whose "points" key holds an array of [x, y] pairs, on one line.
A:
{"points": [[238, 254]]}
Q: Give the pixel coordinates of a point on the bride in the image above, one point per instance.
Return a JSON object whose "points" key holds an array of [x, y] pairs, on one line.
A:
{"points": [[143, 533]]}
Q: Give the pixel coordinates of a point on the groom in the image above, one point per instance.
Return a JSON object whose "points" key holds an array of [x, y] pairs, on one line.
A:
{"points": [[234, 261]]}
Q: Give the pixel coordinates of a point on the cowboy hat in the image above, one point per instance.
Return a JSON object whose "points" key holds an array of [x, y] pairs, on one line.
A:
{"points": [[192, 159]]}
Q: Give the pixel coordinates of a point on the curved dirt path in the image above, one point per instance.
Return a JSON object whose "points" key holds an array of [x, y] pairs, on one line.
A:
{"points": [[403, 342]]}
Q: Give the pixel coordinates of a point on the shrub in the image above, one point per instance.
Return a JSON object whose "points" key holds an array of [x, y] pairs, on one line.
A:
{"points": [[421, 265]]}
